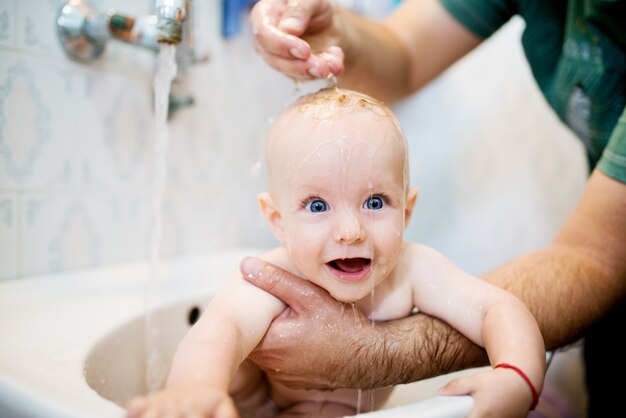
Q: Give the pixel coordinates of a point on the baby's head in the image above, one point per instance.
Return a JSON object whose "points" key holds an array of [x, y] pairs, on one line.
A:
{"points": [[339, 196]]}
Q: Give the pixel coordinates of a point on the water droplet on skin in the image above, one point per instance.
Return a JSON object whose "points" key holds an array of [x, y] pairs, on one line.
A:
{"points": [[356, 315], [331, 80], [372, 303]]}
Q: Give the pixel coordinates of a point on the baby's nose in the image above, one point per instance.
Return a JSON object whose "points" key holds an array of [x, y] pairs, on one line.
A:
{"points": [[348, 228]]}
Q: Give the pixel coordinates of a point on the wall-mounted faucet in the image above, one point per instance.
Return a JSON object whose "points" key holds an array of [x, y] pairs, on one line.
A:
{"points": [[170, 17], [84, 32]]}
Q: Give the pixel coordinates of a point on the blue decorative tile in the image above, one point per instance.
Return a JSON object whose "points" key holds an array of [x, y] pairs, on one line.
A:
{"points": [[75, 243], [115, 131], [37, 122], [24, 122], [127, 133], [8, 18], [8, 236], [37, 26]]}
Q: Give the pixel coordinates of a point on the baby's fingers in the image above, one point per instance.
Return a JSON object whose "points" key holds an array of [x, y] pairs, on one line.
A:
{"points": [[459, 386], [226, 409], [136, 407]]}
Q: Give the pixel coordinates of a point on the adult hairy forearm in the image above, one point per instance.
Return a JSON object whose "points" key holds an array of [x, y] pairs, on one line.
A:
{"points": [[567, 286], [392, 59], [409, 349], [581, 276], [376, 61], [566, 289], [420, 347]]}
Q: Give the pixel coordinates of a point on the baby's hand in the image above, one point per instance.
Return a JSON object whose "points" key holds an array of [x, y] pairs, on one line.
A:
{"points": [[497, 393], [189, 401]]}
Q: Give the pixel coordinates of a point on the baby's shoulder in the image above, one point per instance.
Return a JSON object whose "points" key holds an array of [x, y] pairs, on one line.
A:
{"points": [[417, 258], [280, 258], [412, 254]]}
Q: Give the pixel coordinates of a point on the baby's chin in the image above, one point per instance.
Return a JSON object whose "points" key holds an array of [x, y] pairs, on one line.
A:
{"points": [[350, 299]]}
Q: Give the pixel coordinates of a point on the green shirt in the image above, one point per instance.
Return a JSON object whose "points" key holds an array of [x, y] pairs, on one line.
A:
{"points": [[577, 53]]}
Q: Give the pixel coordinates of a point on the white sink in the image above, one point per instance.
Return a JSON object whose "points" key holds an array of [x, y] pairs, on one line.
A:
{"points": [[73, 344]]}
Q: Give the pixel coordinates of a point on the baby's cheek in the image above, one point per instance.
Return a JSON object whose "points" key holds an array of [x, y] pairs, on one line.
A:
{"points": [[388, 245], [303, 243]]}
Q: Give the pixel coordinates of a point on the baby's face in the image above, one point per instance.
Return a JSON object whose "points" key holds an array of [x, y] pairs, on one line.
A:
{"points": [[340, 190]]}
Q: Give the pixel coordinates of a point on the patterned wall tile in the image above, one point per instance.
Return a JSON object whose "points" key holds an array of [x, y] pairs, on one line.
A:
{"points": [[8, 236], [58, 233], [78, 230], [37, 26], [8, 19], [128, 220], [36, 122], [115, 128]]}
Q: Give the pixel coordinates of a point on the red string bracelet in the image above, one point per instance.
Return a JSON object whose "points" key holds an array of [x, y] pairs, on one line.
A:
{"points": [[523, 375]]}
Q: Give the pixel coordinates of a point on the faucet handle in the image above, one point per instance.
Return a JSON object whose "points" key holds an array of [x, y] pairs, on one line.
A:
{"points": [[170, 17], [81, 30]]}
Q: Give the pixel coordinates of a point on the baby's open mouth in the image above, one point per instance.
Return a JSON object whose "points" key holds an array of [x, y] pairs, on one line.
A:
{"points": [[350, 268]]}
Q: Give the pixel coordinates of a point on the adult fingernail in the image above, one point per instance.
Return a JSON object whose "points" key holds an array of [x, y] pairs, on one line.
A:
{"points": [[291, 24], [314, 72], [298, 53], [251, 267]]}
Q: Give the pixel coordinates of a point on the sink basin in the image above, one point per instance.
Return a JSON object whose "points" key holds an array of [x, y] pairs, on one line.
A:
{"points": [[74, 344]]}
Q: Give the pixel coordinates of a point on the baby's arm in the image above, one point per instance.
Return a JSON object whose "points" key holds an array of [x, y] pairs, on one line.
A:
{"points": [[211, 352], [490, 317]]}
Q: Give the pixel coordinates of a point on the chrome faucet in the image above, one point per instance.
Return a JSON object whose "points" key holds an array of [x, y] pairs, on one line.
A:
{"points": [[170, 17], [84, 32]]}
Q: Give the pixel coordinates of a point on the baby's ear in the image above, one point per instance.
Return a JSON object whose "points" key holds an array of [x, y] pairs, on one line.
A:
{"points": [[272, 214], [411, 198]]}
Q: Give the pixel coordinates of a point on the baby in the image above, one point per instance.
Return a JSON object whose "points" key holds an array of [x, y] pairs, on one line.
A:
{"points": [[338, 202]]}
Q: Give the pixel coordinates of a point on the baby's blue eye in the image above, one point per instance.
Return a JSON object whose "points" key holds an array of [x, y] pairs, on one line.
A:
{"points": [[318, 205], [374, 203]]}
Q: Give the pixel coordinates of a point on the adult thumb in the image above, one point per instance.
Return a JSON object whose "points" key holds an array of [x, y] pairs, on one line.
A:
{"points": [[280, 283]]}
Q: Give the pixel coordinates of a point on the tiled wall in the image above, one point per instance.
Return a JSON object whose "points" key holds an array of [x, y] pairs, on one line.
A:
{"points": [[76, 142], [497, 172]]}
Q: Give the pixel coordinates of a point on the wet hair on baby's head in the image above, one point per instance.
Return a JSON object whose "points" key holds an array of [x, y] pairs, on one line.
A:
{"points": [[325, 103], [325, 106]]}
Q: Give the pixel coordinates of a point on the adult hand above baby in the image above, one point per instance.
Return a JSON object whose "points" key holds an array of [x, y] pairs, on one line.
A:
{"points": [[298, 38], [314, 343]]}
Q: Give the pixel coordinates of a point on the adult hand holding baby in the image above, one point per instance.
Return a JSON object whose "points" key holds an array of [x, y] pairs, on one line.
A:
{"points": [[298, 38], [323, 323], [319, 343]]}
